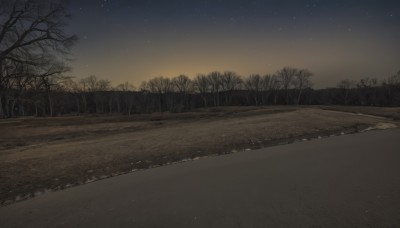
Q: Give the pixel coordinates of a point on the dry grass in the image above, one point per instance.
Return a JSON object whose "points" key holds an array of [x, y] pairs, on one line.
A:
{"points": [[388, 112], [38, 154]]}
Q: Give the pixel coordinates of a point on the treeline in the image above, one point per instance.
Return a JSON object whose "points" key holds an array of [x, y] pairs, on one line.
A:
{"points": [[288, 86]]}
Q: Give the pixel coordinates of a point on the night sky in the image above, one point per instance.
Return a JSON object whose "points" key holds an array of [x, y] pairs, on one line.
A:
{"points": [[135, 40]]}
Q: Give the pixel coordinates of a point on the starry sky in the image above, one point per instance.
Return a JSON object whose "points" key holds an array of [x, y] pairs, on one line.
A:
{"points": [[135, 40]]}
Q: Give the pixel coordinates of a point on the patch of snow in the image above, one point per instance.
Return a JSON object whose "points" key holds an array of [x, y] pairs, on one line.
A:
{"points": [[91, 180], [368, 129], [383, 126]]}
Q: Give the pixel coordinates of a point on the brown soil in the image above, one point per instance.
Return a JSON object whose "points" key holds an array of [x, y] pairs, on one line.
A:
{"points": [[53, 153]]}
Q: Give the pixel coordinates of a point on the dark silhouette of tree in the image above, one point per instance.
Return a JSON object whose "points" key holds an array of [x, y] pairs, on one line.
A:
{"points": [[286, 77], [202, 85], [128, 97], [302, 81], [267, 84], [275, 86], [253, 84], [215, 82], [230, 81], [392, 89], [346, 86], [366, 91], [183, 85], [33, 44]]}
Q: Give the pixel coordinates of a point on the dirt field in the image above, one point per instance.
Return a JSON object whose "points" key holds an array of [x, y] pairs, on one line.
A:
{"points": [[38, 154]]}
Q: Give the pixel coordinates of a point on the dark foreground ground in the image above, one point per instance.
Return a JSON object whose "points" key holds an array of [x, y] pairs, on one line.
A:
{"points": [[347, 181], [43, 154]]}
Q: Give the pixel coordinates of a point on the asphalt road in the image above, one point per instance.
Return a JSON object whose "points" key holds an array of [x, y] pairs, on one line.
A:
{"points": [[346, 181]]}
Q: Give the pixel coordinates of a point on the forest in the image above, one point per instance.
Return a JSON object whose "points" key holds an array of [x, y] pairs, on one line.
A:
{"points": [[53, 95]]}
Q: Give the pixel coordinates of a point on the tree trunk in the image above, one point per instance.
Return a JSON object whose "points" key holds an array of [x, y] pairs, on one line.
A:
{"points": [[298, 97], [84, 100], [265, 98], [95, 102], [130, 108], [256, 97], [78, 108], [276, 97], [21, 109], [1, 107], [36, 109], [205, 101], [12, 108], [7, 106], [345, 97], [50, 103], [287, 96]]}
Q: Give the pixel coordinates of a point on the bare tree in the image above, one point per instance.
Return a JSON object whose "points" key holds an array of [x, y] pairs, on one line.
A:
{"points": [[266, 81], [50, 78], [90, 88], [202, 85], [74, 88], [230, 81], [286, 77], [215, 79], [128, 96], [346, 86], [253, 83], [97, 88], [275, 85], [183, 85], [394, 80], [392, 88], [367, 82], [301, 81], [103, 100], [91, 83], [161, 87], [31, 34], [366, 90]]}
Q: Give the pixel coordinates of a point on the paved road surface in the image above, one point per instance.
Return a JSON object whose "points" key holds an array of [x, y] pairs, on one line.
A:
{"points": [[347, 181]]}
